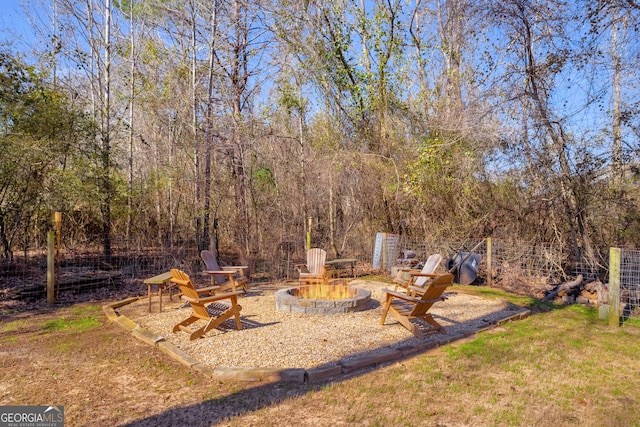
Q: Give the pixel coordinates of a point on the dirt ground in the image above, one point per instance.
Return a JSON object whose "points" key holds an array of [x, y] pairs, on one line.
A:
{"points": [[71, 355]]}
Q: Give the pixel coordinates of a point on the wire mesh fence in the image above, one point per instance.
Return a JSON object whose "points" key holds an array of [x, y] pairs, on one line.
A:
{"points": [[421, 249], [630, 283], [83, 266], [541, 262]]}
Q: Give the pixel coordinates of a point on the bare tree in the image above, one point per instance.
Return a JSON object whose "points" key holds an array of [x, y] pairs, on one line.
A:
{"points": [[88, 43]]}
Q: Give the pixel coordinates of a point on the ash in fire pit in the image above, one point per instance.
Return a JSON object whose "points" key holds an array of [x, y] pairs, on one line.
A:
{"points": [[337, 297]]}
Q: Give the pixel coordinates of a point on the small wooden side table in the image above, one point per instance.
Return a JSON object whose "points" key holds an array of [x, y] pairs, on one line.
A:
{"points": [[163, 281]]}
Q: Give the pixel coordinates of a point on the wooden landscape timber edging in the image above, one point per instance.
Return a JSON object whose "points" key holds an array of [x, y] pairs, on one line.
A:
{"points": [[379, 357]]}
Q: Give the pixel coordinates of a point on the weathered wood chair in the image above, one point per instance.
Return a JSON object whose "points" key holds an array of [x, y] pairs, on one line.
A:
{"points": [[227, 278], [418, 278], [199, 309], [405, 308], [314, 269]]}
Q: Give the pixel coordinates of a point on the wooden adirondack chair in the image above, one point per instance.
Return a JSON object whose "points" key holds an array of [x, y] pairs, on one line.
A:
{"points": [[418, 278], [405, 308], [199, 309], [314, 269], [226, 277]]}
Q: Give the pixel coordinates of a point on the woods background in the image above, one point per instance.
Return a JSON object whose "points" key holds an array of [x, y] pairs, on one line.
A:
{"points": [[192, 123]]}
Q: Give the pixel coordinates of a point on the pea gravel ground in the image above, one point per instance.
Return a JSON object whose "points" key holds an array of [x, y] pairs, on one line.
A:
{"points": [[275, 339]]}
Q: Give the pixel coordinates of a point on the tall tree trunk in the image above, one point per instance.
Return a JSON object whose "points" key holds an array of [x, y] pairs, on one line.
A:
{"points": [[132, 83], [451, 34], [206, 214], [557, 136], [194, 124], [239, 78], [106, 137], [415, 33], [616, 149]]}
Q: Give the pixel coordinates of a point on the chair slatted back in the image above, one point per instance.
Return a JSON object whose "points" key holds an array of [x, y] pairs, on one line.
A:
{"points": [[433, 293], [316, 258], [211, 263], [429, 267], [187, 289]]}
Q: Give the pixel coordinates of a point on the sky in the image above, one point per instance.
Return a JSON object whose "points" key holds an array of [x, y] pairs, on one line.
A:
{"points": [[14, 25], [15, 28]]}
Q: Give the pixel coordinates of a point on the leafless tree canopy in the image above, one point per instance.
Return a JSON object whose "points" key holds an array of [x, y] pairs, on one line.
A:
{"points": [[240, 124]]}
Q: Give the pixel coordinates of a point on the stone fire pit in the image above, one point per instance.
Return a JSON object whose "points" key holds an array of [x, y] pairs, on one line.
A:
{"points": [[294, 301]]}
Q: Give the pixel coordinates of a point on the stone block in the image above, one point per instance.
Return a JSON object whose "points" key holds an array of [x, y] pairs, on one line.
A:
{"points": [[298, 309], [603, 312], [346, 303], [325, 304], [280, 306]]}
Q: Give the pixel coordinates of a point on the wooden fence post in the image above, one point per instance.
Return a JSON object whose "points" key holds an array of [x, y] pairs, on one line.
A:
{"points": [[489, 259], [51, 258], [57, 224], [614, 287]]}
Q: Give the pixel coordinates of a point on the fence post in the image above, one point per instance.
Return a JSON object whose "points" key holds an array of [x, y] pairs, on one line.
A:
{"points": [[614, 287], [51, 277], [384, 251], [57, 223], [489, 269]]}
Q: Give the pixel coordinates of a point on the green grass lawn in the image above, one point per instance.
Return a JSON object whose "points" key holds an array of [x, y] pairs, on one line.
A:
{"points": [[561, 366]]}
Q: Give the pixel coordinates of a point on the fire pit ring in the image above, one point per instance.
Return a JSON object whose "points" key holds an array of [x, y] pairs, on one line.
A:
{"points": [[288, 300]]}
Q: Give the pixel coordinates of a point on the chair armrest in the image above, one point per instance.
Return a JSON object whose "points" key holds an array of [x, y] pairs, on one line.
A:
{"points": [[424, 275], [220, 272], [189, 299], [400, 281], [228, 275], [404, 297], [413, 299], [225, 295], [208, 289], [236, 268], [417, 290], [413, 277]]}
